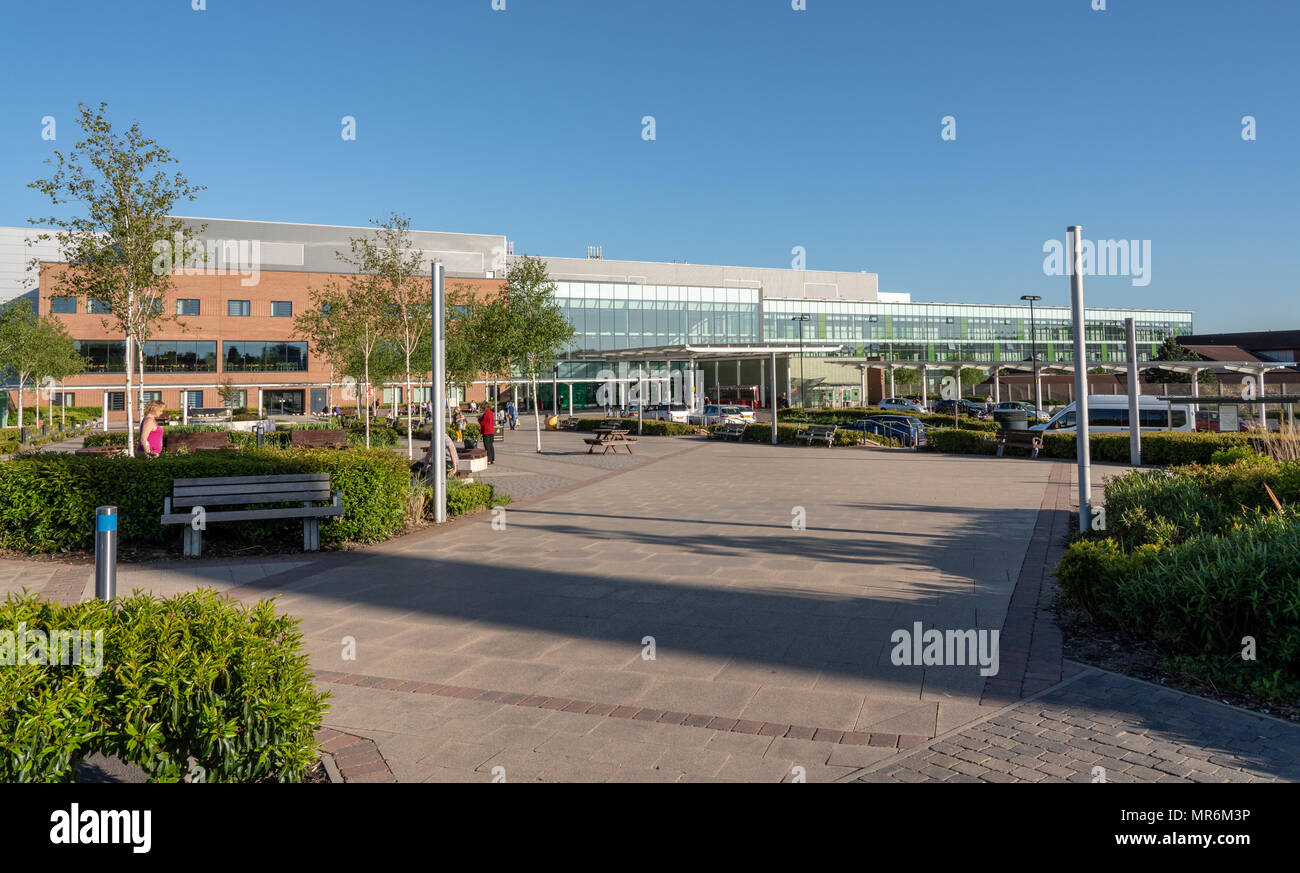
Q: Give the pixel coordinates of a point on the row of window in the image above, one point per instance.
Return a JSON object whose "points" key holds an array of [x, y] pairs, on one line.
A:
{"points": [[185, 306], [167, 356]]}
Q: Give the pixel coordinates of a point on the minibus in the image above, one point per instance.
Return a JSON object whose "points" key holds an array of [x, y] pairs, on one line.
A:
{"points": [[1108, 413]]}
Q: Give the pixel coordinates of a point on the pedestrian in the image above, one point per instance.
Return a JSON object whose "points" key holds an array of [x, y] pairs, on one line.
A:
{"points": [[512, 413], [424, 467], [458, 424], [488, 425], [151, 433]]}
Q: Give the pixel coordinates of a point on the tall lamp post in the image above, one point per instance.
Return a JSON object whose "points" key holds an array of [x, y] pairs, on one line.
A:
{"points": [[803, 386], [1033, 347]]}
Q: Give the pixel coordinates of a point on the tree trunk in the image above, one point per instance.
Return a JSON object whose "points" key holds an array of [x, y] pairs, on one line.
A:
{"points": [[537, 414], [130, 419], [20, 400]]}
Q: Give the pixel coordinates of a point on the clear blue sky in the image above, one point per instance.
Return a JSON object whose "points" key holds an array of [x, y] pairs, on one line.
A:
{"points": [[775, 129]]}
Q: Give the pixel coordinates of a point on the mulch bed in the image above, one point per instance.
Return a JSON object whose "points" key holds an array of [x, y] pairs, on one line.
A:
{"points": [[1103, 645]]}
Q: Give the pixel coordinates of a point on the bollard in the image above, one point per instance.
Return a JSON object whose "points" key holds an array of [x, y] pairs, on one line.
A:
{"points": [[106, 552], [260, 429]]}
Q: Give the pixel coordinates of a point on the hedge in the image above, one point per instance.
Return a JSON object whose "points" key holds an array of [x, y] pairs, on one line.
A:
{"points": [[1202, 597], [844, 417], [761, 432], [648, 427], [1159, 448], [959, 440], [193, 676], [48, 500]]}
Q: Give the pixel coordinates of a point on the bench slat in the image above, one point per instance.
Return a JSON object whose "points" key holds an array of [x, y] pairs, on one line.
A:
{"points": [[254, 514], [251, 488], [252, 499], [288, 478]]}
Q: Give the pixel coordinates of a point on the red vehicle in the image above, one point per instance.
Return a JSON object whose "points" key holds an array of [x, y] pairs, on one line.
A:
{"points": [[739, 395]]}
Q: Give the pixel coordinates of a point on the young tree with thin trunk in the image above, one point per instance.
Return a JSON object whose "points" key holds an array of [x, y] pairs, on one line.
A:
{"points": [[124, 246], [322, 334]]}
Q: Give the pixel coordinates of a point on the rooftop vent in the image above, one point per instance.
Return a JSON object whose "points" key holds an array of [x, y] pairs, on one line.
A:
{"points": [[595, 253]]}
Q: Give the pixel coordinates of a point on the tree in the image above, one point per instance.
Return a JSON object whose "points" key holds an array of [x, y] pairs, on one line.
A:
{"points": [[228, 393], [125, 246], [1172, 350], [321, 332], [525, 328], [35, 349], [409, 301]]}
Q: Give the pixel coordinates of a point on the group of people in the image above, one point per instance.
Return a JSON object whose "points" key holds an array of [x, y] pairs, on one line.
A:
{"points": [[487, 423]]}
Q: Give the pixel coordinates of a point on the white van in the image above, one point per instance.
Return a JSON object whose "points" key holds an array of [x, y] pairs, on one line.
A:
{"points": [[1108, 413]]}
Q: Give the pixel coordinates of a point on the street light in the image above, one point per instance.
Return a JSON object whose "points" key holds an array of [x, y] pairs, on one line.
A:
{"points": [[1033, 346], [803, 386]]}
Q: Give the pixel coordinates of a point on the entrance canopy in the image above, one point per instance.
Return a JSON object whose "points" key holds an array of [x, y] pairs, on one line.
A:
{"points": [[707, 352]]}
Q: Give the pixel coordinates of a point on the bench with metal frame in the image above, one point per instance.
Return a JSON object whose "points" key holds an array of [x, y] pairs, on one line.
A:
{"points": [[202, 441], [733, 429], [818, 432], [251, 491], [1020, 439]]}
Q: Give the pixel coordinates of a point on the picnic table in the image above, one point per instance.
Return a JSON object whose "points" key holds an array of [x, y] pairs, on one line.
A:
{"points": [[609, 439]]}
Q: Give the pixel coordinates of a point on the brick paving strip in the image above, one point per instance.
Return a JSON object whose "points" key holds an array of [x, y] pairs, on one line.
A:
{"points": [[1030, 649], [357, 758], [1134, 731], [612, 710], [69, 584]]}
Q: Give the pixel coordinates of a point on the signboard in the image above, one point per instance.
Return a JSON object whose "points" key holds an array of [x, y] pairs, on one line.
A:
{"points": [[1228, 418]]}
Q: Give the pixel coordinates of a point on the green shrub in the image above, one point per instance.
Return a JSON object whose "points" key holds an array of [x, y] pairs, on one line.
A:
{"points": [[1202, 597], [193, 676], [845, 417], [648, 428], [959, 440], [1225, 457], [1159, 449], [48, 500], [101, 438]]}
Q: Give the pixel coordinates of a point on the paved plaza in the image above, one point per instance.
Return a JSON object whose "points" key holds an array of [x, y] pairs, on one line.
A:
{"points": [[718, 611]]}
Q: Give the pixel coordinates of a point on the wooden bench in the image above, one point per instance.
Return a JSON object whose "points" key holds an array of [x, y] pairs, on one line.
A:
{"points": [[203, 441], [318, 438], [1023, 439], [733, 429], [610, 440], [247, 491], [819, 432]]}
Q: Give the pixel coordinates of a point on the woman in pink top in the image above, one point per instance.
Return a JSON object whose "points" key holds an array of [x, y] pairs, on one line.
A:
{"points": [[151, 433]]}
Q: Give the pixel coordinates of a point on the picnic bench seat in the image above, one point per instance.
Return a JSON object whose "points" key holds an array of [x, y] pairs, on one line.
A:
{"points": [[324, 439], [570, 423], [203, 441], [251, 491], [733, 429], [1024, 439], [819, 432], [610, 440]]}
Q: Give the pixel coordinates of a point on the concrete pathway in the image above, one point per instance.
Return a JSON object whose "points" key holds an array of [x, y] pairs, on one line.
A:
{"points": [[696, 611]]}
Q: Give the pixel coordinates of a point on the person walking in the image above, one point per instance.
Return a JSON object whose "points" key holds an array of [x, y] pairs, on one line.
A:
{"points": [[512, 413], [488, 425], [151, 433], [458, 424]]}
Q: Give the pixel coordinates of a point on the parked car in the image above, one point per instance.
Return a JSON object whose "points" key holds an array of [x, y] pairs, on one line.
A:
{"points": [[967, 407], [677, 412], [900, 404], [907, 430], [1036, 416], [714, 413]]}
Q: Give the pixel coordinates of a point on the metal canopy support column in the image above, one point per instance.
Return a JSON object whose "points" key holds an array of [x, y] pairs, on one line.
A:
{"points": [[891, 381], [1134, 417], [862, 390], [997, 384], [924, 372], [105, 415], [774, 404], [439, 390], [1083, 449], [762, 383], [1263, 418]]}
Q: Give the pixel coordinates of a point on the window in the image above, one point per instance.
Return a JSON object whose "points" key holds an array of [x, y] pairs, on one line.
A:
{"points": [[281, 309], [151, 396], [180, 356], [237, 308], [96, 306], [253, 356], [103, 356], [116, 401], [63, 305], [193, 399], [65, 398], [187, 307], [325, 310]]}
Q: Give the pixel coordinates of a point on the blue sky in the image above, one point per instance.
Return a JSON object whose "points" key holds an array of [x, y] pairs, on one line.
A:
{"points": [[774, 128]]}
